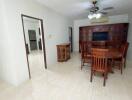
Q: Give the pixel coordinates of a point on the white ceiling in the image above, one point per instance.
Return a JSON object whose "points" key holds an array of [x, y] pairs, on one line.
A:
{"points": [[78, 9]]}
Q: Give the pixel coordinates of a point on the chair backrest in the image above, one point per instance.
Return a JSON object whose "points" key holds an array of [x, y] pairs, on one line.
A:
{"points": [[99, 59], [85, 49], [124, 48]]}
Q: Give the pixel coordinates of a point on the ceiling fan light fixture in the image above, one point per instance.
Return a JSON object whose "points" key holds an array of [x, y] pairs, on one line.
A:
{"points": [[98, 15], [95, 15], [90, 16], [95, 11]]}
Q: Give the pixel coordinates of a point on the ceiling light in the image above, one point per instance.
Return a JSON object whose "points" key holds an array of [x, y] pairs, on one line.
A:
{"points": [[90, 16], [98, 15], [94, 15]]}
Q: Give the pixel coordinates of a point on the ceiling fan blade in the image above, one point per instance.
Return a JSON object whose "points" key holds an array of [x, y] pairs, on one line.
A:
{"points": [[108, 8], [104, 13]]}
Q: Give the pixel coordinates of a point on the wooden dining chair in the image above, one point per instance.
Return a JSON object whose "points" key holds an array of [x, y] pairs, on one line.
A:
{"points": [[120, 62], [99, 63], [85, 53], [125, 53]]}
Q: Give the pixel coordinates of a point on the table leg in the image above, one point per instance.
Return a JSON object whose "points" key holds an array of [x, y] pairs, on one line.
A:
{"points": [[111, 66]]}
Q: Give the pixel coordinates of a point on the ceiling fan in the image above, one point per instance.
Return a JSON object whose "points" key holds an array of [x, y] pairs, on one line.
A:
{"points": [[96, 12]]}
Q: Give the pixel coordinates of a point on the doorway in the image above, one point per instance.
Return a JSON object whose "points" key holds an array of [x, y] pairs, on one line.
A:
{"points": [[32, 39], [71, 38], [34, 44]]}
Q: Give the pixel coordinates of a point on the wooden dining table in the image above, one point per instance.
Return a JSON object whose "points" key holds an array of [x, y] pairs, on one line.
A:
{"points": [[114, 53]]}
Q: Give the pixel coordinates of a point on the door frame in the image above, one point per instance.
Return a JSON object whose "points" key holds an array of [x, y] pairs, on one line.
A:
{"points": [[71, 40], [43, 40]]}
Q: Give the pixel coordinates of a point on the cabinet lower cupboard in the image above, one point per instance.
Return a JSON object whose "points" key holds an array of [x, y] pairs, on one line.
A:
{"points": [[63, 52]]}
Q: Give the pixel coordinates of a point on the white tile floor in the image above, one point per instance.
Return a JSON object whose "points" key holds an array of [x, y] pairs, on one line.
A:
{"points": [[36, 63], [65, 81]]}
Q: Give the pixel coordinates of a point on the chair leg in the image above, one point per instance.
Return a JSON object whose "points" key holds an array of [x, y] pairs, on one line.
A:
{"points": [[81, 64], [112, 63], [121, 68], [105, 77], [91, 78]]}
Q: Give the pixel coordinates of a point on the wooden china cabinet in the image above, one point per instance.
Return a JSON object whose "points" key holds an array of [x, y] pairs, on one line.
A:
{"points": [[117, 34], [63, 52]]}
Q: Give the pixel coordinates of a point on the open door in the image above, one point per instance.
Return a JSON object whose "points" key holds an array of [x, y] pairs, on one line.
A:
{"points": [[71, 38]]}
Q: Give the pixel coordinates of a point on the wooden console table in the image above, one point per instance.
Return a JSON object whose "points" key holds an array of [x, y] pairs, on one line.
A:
{"points": [[63, 52]]}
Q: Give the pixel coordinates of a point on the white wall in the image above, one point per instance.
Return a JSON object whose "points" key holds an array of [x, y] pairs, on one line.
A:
{"points": [[86, 22], [129, 54], [6, 60], [55, 28], [1, 41]]}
